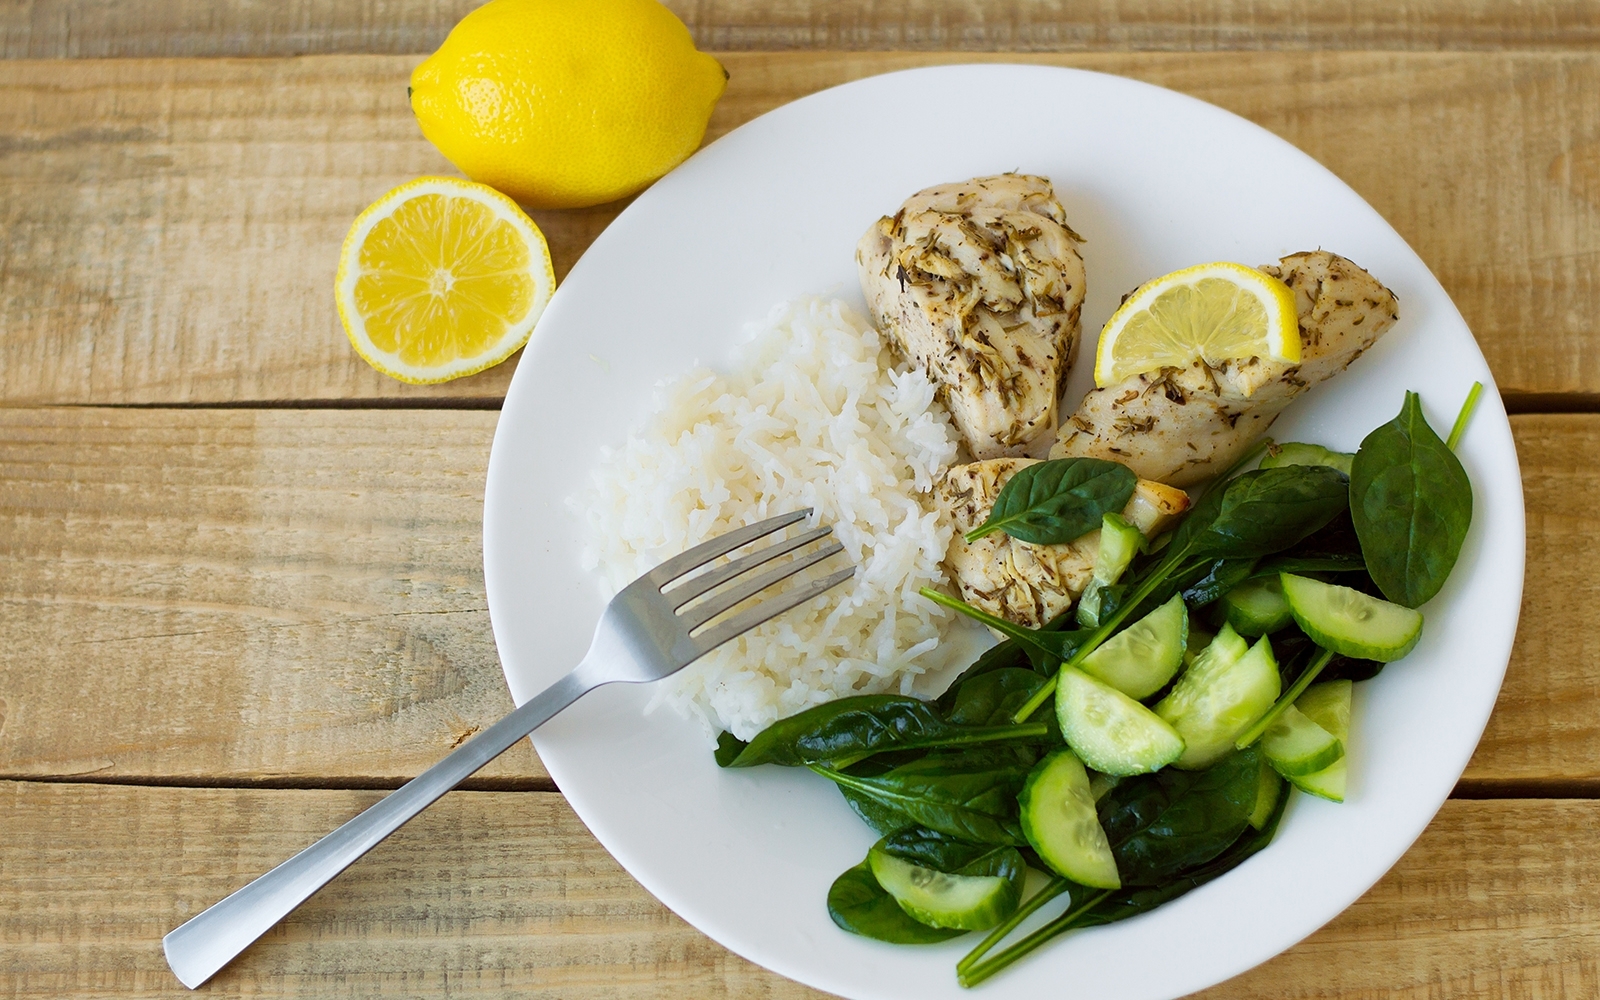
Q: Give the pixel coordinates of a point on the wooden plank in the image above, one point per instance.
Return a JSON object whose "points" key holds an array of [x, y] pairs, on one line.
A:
{"points": [[296, 597], [171, 228], [245, 596], [507, 892], [53, 29], [1548, 705]]}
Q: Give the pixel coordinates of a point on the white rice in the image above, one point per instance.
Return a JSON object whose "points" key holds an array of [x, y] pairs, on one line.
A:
{"points": [[814, 413]]}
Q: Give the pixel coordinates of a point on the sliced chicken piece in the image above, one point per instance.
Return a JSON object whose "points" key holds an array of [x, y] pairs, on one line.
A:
{"points": [[980, 284], [1019, 581], [1185, 425]]}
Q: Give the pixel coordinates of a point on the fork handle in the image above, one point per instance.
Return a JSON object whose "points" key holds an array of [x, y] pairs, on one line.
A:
{"points": [[212, 938]]}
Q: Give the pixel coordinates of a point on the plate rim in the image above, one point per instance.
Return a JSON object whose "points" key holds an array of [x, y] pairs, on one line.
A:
{"points": [[1491, 403]]}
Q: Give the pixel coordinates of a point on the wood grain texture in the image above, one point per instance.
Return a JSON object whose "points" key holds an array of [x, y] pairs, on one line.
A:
{"points": [[1550, 703], [296, 597], [506, 893], [53, 29], [245, 596], [169, 230]]}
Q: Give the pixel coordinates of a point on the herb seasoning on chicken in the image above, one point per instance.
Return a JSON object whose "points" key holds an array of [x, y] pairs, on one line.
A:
{"points": [[1019, 581], [1185, 425], [980, 284]]}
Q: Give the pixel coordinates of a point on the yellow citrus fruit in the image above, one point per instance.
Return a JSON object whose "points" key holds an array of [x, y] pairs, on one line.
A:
{"points": [[441, 278], [567, 103], [1220, 312]]}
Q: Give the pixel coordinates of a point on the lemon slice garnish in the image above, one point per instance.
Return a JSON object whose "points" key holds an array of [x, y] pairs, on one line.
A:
{"points": [[1219, 312], [441, 278]]}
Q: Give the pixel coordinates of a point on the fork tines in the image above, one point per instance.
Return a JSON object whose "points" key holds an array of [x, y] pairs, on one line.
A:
{"points": [[725, 600]]}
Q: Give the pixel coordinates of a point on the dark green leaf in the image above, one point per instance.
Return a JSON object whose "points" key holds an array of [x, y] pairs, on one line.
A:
{"points": [[729, 747], [1261, 512], [864, 724], [880, 818], [1131, 902], [1046, 647], [1412, 504], [990, 699], [1220, 577], [1006, 653], [1165, 823], [857, 903], [970, 795], [1050, 503]]}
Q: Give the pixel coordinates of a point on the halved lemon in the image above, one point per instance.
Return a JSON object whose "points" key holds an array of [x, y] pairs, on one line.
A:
{"points": [[1220, 312], [441, 278]]}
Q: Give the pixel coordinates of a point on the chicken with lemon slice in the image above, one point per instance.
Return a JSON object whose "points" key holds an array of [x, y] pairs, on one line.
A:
{"points": [[1195, 366]]}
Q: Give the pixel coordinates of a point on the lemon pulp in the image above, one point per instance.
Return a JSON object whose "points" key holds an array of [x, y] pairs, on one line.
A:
{"points": [[441, 278], [1217, 312]]}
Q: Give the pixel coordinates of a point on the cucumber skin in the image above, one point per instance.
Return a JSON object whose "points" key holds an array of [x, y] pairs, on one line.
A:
{"points": [[1293, 733], [1246, 607], [1087, 741], [1307, 590], [1062, 773], [1328, 705], [1269, 790], [1143, 680], [1207, 741], [1001, 900], [1298, 453]]}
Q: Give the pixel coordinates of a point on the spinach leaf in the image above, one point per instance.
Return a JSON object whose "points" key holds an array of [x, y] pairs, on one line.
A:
{"points": [[1046, 647], [1412, 504], [880, 818], [970, 795], [1049, 503], [932, 849], [990, 699], [1133, 901], [1162, 824], [1090, 908], [1006, 653], [863, 724], [729, 747], [1220, 577], [1262, 512], [858, 904]]}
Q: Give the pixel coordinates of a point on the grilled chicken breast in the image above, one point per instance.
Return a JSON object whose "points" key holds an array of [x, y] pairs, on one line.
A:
{"points": [[1185, 425], [1019, 581], [980, 284]]}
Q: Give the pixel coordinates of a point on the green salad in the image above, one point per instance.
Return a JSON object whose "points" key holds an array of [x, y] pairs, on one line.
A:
{"points": [[1146, 741]]}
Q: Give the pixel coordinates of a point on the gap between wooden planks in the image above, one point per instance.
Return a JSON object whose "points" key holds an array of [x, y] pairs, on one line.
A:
{"points": [[170, 227], [508, 892], [51, 29], [295, 597]]}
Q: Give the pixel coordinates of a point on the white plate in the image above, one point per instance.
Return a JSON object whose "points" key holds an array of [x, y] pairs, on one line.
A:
{"points": [[1155, 181]]}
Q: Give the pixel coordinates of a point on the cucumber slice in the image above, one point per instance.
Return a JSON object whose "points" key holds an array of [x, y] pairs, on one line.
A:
{"points": [[1111, 732], [1139, 660], [1296, 453], [1119, 543], [1217, 698], [1328, 705], [939, 899], [1268, 787], [1100, 784], [1199, 639], [1350, 622], [1257, 607], [1297, 746], [1059, 820]]}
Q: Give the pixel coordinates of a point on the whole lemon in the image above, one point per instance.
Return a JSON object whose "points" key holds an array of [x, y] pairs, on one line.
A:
{"points": [[567, 103]]}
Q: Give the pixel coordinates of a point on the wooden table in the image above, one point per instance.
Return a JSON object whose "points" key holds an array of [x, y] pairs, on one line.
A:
{"points": [[242, 591]]}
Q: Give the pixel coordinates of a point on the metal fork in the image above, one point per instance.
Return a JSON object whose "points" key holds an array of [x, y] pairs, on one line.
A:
{"points": [[645, 634]]}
